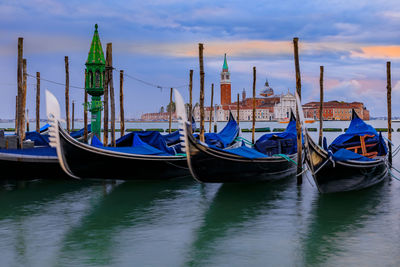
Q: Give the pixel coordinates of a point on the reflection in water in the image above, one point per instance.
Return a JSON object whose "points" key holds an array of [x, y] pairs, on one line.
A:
{"points": [[92, 241], [335, 217], [26, 221], [24, 198], [234, 206]]}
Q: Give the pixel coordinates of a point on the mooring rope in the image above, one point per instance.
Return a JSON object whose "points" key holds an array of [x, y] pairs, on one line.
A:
{"points": [[239, 138], [149, 83], [396, 151], [285, 157], [116, 70], [394, 176], [390, 142], [54, 82], [308, 179]]}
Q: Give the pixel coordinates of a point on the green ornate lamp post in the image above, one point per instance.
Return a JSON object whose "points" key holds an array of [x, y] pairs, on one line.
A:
{"points": [[95, 66]]}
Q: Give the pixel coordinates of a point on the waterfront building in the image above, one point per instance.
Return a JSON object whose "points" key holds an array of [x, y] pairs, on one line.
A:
{"points": [[335, 110]]}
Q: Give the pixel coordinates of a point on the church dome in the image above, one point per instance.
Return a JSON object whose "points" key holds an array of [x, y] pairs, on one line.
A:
{"points": [[267, 91]]}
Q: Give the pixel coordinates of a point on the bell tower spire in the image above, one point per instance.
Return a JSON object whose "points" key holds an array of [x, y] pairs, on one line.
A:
{"points": [[225, 84], [95, 66]]}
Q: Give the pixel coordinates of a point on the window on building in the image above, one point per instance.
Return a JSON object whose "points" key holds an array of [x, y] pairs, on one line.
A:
{"points": [[90, 79], [97, 79]]}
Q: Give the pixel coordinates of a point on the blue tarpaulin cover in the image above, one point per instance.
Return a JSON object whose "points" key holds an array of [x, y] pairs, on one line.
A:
{"points": [[287, 141], [344, 154], [138, 146], [225, 137], [37, 151], [288, 135], [81, 132], [44, 128], [43, 139], [170, 139], [37, 138], [351, 138], [246, 152], [152, 138], [96, 142]]}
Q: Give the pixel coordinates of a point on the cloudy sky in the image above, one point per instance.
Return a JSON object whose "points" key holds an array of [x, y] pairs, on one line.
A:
{"points": [[157, 42]]}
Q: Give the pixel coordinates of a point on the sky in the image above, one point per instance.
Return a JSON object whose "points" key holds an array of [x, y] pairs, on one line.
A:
{"points": [[157, 42]]}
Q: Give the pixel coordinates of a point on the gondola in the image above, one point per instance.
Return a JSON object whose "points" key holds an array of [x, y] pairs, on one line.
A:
{"points": [[212, 164], [33, 163], [355, 160], [139, 162]]}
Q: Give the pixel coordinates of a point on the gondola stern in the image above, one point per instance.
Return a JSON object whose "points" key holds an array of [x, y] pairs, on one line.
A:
{"points": [[185, 129], [314, 159], [53, 115]]}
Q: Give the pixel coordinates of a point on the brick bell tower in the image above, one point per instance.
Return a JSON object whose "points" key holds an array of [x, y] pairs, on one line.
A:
{"points": [[225, 84]]}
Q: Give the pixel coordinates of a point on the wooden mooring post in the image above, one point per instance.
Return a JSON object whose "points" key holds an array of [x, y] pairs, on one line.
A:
{"points": [[121, 102], [253, 129], [27, 120], [112, 95], [170, 111], [16, 115], [20, 89], [389, 108], [298, 125], [23, 103], [215, 118], [201, 92], [238, 110], [211, 106], [106, 83], [38, 102], [190, 95], [321, 103], [73, 116], [67, 118], [85, 115]]}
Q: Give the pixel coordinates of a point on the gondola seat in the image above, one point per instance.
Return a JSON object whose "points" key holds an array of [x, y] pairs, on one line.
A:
{"points": [[363, 146]]}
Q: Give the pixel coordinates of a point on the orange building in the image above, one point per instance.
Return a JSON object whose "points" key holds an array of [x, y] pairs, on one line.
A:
{"points": [[335, 110]]}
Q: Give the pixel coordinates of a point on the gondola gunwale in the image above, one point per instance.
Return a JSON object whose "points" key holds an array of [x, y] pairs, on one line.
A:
{"points": [[105, 152], [27, 158]]}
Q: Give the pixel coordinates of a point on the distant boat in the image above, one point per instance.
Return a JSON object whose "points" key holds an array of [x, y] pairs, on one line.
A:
{"points": [[307, 120], [395, 120]]}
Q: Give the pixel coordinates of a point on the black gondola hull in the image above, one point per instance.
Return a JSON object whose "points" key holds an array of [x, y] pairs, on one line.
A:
{"points": [[343, 176], [213, 166], [26, 167], [87, 162], [340, 178]]}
